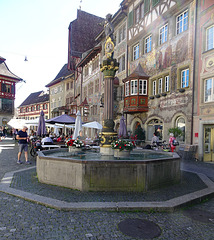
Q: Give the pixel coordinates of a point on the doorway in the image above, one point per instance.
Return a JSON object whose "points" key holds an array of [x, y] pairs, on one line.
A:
{"points": [[209, 143]]}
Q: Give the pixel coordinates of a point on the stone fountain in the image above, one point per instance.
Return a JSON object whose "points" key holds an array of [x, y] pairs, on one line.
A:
{"points": [[101, 171]]}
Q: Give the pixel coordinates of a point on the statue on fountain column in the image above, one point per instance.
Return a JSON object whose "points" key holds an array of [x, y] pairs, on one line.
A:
{"points": [[109, 30]]}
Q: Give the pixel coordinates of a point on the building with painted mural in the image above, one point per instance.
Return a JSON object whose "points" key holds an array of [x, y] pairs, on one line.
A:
{"points": [[32, 106], [203, 134], [8, 82], [160, 37]]}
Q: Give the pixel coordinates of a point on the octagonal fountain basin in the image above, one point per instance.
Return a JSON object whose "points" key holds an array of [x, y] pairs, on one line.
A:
{"points": [[89, 171]]}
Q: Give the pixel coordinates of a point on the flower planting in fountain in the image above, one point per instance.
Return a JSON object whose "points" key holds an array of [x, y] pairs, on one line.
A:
{"points": [[122, 145], [75, 143]]}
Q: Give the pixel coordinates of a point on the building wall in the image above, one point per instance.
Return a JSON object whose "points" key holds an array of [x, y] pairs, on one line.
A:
{"points": [[32, 111], [57, 99], [168, 58], [92, 88], [203, 108]]}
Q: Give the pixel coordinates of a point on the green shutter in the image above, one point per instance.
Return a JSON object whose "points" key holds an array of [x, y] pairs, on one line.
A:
{"points": [[130, 19], [154, 2], [146, 6]]}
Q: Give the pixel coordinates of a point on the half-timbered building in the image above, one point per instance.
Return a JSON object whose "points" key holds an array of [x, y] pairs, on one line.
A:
{"points": [[8, 82]]}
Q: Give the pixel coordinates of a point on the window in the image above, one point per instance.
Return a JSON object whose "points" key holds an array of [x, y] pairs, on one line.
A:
{"points": [[37, 107], [5, 88], [209, 90], [182, 22], [155, 2], [72, 84], [122, 33], [210, 38], [163, 34], [97, 85], [95, 64], [60, 101], [121, 61], [148, 44], [146, 6], [136, 52], [143, 87], [90, 88], [154, 88], [44, 106], [133, 87], [86, 71], [85, 92], [185, 78], [137, 14], [166, 88], [160, 81], [142, 10], [127, 88], [67, 86]]}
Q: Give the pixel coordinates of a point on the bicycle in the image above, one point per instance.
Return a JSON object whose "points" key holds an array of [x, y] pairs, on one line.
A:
{"points": [[35, 146]]}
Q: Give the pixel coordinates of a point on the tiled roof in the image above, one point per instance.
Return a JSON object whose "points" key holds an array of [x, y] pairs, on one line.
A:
{"points": [[34, 98], [137, 73], [83, 31], [4, 70], [64, 72]]}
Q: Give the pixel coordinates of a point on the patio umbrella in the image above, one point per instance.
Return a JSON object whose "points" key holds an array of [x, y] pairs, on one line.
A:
{"points": [[78, 125], [64, 119], [41, 125], [94, 124], [17, 123], [122, 129]]}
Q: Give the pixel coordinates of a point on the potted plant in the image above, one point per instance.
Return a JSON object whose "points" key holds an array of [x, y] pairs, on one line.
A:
{"points": [[122, 148], [74, 145]]}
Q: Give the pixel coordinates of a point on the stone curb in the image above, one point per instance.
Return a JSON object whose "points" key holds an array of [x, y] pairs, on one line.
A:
{"points": [[169, 206]]}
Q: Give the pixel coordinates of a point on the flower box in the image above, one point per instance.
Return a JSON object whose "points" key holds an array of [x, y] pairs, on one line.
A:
{"points": [[74, 149], [121, 154]]}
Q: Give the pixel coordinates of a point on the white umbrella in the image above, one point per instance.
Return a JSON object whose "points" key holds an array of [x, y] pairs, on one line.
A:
{"points": [[32, 122], [78, 125], [17, 123], [93, 125]]}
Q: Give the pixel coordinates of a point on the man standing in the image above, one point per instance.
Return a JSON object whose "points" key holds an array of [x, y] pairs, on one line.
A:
{"points": [[23, 144]]}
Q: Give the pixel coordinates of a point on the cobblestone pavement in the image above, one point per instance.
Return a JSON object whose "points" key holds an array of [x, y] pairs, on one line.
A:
{"points": [[21, 219]]}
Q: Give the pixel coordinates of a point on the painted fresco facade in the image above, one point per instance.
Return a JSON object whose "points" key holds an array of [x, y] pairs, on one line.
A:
{"points": [[203, 133], [161, 39]]}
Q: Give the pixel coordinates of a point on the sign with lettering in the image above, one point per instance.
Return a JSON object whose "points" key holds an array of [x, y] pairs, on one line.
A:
{"points": [[173, 102]]}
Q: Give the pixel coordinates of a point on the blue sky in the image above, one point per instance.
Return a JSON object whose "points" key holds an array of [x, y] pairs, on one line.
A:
{"points": [[38, 29]]}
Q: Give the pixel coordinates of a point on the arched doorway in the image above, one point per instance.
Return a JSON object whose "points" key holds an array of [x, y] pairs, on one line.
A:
{"points": [[154, 126], [180, 123]]}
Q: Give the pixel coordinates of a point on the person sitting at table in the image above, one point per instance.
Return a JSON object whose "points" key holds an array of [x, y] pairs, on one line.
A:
{"points": [[47, 140], [80, 136]]}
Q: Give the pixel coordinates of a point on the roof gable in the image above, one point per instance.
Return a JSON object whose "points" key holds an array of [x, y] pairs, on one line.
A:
{"points": [[34, 98]]}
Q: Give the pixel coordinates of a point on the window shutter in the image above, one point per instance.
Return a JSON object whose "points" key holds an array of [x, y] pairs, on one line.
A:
{"points": [[130, 19], [146, 6]]}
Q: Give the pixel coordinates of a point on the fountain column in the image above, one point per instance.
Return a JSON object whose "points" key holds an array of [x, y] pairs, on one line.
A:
{"points": [[109, 68]]}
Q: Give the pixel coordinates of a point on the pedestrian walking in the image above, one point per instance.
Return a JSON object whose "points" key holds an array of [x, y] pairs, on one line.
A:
{"points": [[171, 142], [23, 144]]}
